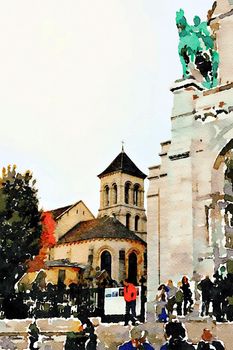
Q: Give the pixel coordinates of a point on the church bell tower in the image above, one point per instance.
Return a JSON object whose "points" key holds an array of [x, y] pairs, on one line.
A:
{"points": [[122, 194]]}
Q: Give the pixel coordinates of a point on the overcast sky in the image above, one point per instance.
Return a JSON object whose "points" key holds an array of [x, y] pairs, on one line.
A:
{"points": [[79, 76]]}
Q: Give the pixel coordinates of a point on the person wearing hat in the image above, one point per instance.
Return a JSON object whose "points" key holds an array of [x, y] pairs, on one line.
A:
{"points": [[207, 342], [138, 341]]}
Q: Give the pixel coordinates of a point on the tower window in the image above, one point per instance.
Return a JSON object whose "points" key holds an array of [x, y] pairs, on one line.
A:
{"points": [[106, 196], [127, 223], [127, 189], [136, 223], [114, 197], [136, 195]]}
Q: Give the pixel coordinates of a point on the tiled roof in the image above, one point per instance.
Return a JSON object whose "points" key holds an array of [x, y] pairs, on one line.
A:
{"points": [[105, 228], [57, 212], [124, 164]]}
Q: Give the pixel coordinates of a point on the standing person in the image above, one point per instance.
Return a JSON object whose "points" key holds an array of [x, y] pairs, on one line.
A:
{"points": [[206, 287], [171, 297], [34, 333], [196, 279], [217, 297], [187, 295], [229, 309], [130, 295], [161, 303], [179, 299]]}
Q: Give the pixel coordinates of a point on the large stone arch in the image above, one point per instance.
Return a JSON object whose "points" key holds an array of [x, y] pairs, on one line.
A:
{"points": [[220, 140], [221, 209]]}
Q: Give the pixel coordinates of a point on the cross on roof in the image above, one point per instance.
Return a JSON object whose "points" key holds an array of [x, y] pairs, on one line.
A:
{"points": [[122, 149]]}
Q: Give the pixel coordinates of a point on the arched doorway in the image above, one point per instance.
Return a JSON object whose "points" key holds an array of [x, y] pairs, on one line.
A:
{"points": [[132, 268], [106, 262], [220, 210]]}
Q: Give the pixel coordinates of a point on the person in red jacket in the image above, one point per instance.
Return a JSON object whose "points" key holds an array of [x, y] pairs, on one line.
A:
{"points": [[130, 294]]}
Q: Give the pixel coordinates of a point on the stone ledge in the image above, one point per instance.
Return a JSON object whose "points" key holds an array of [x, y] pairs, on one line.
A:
{"points": [[179, 156]]}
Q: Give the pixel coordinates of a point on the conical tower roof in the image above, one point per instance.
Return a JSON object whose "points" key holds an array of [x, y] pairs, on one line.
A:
{"points": [[122, 163]]}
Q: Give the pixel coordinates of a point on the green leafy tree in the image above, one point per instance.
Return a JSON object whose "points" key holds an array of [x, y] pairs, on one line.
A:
{"points": [[20, 226]]}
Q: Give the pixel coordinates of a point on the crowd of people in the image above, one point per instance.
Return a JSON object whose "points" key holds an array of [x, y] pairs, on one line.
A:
{"points": [[219, 295], [175, 339], [170, 297], [216, 295], [174, 301]]}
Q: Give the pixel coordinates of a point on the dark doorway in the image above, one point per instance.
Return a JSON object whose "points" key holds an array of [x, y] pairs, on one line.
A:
{"points": [[132, 269], [61, 276], [106, 262]]}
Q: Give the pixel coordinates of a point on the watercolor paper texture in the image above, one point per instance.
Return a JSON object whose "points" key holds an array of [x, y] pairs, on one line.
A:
{"points": [[156, 261]]}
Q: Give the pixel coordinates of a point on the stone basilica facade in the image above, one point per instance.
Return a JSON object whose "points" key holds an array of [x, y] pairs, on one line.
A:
{"points": [[190, 196]]}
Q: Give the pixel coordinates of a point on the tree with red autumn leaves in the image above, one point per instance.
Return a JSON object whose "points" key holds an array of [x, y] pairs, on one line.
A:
{"points": [[47, 241], [48, 228]]}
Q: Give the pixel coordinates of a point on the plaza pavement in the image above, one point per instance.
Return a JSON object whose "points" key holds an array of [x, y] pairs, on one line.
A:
{"points": [[14, 335]]}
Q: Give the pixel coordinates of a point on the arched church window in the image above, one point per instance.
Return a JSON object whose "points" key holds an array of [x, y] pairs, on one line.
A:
{"points": [[136, 195], [127, 189], [132, 268], [136, 222], [106, 196], [114, 194], [106, 262], [127, 223]]}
